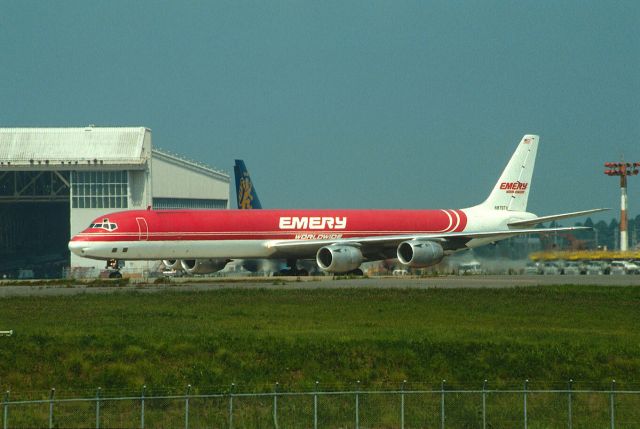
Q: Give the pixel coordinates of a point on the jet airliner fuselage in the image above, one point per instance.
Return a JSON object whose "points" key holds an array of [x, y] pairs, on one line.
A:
{"points": [[339, 240]]}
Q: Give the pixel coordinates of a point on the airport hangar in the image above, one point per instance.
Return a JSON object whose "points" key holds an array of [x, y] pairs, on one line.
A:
{"points": [[55, 181]]}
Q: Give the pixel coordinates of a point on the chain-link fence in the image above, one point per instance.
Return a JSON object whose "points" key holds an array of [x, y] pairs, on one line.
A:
{"points": [[403, 407]]}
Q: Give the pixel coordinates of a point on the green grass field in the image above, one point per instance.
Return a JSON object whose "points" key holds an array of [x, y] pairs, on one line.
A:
{"points": [[256, 337]]}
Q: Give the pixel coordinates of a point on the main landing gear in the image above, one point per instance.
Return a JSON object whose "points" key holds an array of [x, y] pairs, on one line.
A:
{"points": [[293, 270]]}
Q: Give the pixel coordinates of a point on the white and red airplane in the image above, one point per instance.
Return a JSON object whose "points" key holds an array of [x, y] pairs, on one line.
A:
{"points": [[339, 240]]}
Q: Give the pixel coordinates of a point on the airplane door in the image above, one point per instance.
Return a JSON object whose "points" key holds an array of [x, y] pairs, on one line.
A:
{"points": [[143, 229]]}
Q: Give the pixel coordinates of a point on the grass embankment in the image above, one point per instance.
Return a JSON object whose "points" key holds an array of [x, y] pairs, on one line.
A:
{"points": [[256, 337]]}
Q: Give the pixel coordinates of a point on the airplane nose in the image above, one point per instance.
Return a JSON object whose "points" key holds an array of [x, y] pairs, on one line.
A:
{"points": [[77, 247]]}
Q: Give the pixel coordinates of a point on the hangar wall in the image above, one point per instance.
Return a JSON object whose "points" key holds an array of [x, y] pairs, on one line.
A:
{"points": [[93, 171], [180, 183]]}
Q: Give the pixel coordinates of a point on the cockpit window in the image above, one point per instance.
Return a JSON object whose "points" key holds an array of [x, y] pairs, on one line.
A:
{"points": [[106, 225]]}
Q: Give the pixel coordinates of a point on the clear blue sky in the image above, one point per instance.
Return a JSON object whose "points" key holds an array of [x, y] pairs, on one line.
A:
{"points": [[346, 104]]}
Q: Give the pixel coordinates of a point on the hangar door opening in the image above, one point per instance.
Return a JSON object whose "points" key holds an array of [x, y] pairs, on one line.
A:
{"points": [[34, 223]]}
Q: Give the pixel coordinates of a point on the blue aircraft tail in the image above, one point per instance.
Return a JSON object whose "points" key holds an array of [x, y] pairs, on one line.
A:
{"points": [[245, 192], [248, 199]]}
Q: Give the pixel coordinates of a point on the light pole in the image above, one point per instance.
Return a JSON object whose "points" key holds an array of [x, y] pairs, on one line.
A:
{"points": [[623, 169]]}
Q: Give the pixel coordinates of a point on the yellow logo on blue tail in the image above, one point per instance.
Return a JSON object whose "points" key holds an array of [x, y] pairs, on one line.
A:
{"points": [[245, 191]]}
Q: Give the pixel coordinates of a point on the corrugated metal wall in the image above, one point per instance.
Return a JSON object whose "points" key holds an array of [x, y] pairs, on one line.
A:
{"points": [[170, 180]]}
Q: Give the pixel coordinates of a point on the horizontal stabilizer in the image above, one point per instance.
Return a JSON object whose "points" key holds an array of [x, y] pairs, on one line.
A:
{"points": [[543, 219]]}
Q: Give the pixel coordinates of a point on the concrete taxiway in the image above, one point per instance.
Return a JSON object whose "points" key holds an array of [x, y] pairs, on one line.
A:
{"points": [[445, 282]]}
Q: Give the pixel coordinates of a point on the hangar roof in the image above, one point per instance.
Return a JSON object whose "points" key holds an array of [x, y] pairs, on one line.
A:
{"points": [[61, 147]]}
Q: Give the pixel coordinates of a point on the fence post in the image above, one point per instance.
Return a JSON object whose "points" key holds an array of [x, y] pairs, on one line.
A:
{"points": [[404, 382], [231, 406], [52, 395], [186, 407], [275, 405], [484, 405], [357, 404], [142, 395], [98, 408], [613, 414], [442, 416], [525, 403], [570, 405], [315, 407], [5, 417]]}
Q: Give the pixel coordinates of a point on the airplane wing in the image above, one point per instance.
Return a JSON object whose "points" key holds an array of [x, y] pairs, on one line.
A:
{"points": [[542, 219], [308, 248]]}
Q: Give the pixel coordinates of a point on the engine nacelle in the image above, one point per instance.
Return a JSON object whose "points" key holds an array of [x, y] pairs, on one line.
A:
{"points": [[339, 259], [203, 266], [172, 264], [420, 254]]}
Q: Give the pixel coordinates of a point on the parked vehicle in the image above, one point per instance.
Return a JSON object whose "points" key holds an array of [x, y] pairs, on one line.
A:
{"points": [[624, 267], [550, 268], [617, 268], [594, 269], [470, 268], [632, 267], [532, 268], [583, 266], [571, 269]]}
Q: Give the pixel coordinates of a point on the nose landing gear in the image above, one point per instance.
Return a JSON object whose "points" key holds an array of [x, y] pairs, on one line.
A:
{"points": [[113, 267]]}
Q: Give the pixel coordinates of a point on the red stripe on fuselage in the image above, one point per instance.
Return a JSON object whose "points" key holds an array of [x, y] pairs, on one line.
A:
{"points": [[190, 225], [463, 221]]}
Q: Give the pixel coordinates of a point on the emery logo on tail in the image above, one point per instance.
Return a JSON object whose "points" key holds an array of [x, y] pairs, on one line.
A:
{"points": [[514, 187], [313, 222]]}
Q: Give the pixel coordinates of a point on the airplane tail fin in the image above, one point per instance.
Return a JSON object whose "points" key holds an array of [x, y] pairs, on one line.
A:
{"points": [[245, 192], [511, 192]]}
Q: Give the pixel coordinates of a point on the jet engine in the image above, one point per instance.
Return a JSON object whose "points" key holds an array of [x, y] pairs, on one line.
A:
{"points": [[203, 266], [172, 264], [339, 259], [420, 254]]}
